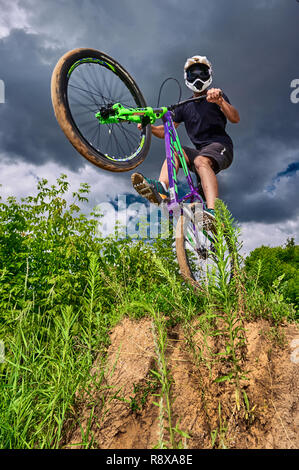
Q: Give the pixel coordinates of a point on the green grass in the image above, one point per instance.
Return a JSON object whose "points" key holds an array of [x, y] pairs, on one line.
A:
{"points": [[63, 288]]}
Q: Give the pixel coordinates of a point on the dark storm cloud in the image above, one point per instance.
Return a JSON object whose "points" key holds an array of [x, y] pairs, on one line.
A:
{"points": [[28, 128], [253, 47]]}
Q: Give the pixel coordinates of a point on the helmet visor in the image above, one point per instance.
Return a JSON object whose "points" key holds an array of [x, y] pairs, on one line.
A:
{"points": [[201, 71]]}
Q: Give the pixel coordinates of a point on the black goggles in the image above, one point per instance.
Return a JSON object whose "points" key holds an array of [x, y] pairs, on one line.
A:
{"points": [[201, 71]]}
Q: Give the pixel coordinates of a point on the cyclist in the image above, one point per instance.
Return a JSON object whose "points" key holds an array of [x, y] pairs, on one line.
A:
{"points": [[205, 123]]}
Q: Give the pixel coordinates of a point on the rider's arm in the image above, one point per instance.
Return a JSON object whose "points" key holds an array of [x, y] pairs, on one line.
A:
{"points": [[214, 95], [229, 111], [158, 131]]}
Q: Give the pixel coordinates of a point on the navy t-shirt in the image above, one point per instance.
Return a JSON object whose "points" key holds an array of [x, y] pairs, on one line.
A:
{"points": [[205, 122]]}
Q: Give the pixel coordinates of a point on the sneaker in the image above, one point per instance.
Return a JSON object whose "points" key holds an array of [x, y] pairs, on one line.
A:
{"points": [[211, 212], [151, 189]]}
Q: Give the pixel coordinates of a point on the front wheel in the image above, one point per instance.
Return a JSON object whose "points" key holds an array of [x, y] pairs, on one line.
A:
{"points": [[195, 247], [84, 81]]}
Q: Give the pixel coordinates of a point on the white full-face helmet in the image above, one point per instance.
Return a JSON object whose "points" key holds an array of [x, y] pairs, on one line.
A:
{"points": [[198, 73]]}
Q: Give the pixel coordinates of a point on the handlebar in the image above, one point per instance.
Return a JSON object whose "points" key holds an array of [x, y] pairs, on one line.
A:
{"points": [[159, 111], [113, 113], [190, 100]]}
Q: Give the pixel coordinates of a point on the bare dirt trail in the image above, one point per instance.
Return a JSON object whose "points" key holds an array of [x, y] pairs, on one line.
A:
{"points": [[125, 416]]}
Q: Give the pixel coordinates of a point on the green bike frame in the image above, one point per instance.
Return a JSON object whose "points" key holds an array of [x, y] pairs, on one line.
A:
{"points": [[117, 113], [148, 115]]}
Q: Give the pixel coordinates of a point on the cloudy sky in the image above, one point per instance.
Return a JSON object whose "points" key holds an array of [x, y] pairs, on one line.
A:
{"points": [[254, 48]]}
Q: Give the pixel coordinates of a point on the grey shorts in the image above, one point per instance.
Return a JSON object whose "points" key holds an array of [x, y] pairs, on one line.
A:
{"points": [[221, 156]]}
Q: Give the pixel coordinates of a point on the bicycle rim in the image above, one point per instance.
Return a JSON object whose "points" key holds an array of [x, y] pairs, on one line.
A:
{"points": [[83, 82]]}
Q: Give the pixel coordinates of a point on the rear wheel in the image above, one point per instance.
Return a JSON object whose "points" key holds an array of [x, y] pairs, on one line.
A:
{"points": [[196, 254], [84, 81]]}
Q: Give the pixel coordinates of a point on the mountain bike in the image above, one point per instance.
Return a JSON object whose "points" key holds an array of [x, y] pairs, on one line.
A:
{"points": [[98, 106]]}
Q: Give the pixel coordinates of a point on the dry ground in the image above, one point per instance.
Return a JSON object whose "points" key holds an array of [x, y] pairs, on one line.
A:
{"points": [[118, 412]]}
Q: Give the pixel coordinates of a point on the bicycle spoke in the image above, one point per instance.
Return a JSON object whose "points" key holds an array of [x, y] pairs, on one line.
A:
{"points": [[89, 92], [126, 137], [90, 87]]}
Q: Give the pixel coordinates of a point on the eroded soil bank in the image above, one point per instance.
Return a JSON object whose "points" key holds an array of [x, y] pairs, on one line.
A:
{"points": [[119, 410]]}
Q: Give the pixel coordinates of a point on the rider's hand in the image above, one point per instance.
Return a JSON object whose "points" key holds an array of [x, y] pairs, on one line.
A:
{"points": [[214, 95]]}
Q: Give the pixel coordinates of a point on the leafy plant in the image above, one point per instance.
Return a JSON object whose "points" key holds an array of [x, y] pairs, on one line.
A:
{"points": [[227, 296], [277, 262]]}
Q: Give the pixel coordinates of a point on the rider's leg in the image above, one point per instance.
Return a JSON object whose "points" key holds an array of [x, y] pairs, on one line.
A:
{"points": [[204, 167], [163, 178], [155, 190]]}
